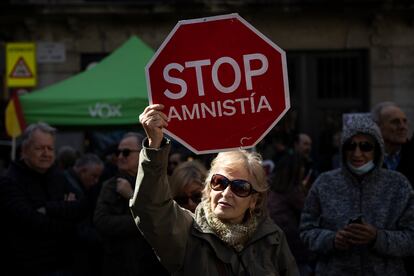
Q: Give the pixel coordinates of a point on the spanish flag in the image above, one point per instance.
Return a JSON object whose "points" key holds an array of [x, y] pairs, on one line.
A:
{"points": [[14, 120]]}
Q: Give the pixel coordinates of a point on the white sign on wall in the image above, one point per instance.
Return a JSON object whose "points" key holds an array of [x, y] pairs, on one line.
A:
{"points": [[51, 52]]}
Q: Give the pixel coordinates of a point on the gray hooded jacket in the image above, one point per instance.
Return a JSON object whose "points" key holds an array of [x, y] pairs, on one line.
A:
{"points": [[383, 198]]}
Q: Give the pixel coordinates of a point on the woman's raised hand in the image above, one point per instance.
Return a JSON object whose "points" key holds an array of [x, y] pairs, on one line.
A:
{"points": [[154, 120]]}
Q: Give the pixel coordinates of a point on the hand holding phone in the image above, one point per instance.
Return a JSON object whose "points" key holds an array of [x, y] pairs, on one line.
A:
{"points": [[359, 232]]}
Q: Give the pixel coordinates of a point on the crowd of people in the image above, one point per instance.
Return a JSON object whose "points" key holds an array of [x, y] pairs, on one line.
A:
{"points": [[156, 209]]}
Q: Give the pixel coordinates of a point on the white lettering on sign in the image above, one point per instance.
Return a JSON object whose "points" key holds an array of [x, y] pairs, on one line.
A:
{"points": [[173, 80], [219, 108], [197, 65], [249, 73], [237, 75], [104, 110]]}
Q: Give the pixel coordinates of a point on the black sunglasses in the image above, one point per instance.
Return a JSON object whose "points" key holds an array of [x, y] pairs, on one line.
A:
{"points": [[182, 200], [239, 187], [125, 152], [363, 146]]}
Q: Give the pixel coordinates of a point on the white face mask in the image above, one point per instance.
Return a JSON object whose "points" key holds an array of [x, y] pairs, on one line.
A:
{"points": [[363, 169]]}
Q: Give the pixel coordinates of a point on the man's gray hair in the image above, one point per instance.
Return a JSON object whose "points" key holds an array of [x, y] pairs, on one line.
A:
{"points": [[377, 110], [41, 126], [137, 136], [88, 159]]}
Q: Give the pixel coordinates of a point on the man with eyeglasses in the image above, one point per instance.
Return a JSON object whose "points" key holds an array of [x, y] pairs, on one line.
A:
{"points": [[125, 250], [359, 219]]}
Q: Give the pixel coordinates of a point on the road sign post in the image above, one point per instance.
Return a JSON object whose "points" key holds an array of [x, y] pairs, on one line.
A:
{"points": [[224, 84]]}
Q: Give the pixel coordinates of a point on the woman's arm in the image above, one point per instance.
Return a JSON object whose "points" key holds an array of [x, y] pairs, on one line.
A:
{"points": [[164, 224]]}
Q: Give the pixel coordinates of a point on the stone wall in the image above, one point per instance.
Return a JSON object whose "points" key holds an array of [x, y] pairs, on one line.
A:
{"points": [[387, 34]]}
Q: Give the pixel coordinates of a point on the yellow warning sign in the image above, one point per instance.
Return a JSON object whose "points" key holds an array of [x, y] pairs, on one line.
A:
{"points": [[21, 64]]}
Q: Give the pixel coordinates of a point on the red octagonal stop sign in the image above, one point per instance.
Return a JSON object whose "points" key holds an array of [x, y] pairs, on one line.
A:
{"points": [[224, 84]]}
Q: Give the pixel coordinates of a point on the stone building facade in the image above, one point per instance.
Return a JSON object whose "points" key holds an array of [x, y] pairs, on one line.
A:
{"points": [[342, 57]]}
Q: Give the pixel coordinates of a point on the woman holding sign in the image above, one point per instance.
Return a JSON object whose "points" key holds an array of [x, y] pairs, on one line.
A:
{"points": [[229, 234]]}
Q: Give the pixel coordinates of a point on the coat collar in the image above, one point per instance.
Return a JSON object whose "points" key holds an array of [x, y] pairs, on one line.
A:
{"points": [[265, 229]]}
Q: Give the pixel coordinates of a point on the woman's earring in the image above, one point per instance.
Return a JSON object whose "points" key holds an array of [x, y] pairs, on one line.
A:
{"points": [[251, 212]]}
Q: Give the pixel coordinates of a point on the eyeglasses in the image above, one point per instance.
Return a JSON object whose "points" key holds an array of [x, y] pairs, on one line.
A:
{"points": [[239, 187], [125, 152], [182, 200], [363, 146]]}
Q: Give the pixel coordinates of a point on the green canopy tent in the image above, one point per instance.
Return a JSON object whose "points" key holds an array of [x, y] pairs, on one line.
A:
{"points": [[113, 92]]}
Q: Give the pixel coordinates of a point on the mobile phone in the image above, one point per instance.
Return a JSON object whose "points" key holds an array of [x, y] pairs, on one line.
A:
{"points": [[355, 220]]}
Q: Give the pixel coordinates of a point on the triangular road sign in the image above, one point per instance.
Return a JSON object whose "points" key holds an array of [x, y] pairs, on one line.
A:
{"points": [[21, 70]]}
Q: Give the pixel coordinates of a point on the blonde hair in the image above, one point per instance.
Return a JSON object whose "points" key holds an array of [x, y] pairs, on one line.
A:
{"points": [[252, 162], [186, 173]]}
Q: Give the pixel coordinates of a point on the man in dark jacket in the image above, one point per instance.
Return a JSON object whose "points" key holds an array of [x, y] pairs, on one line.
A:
{"points": [[399, 151], [38, 213], [83, 178], [126, 250], [302, 144]]}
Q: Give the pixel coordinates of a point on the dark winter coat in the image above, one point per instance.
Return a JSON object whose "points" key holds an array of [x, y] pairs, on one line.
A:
{"points": [[187, 247], [285, 210], [34, 241], [406, 165], [126, 252], [87, 245]]}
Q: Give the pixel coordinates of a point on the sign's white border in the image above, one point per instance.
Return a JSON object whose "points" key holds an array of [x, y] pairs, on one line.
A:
{"points": [[216, 18]]}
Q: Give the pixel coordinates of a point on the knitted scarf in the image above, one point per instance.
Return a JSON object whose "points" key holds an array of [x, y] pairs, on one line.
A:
{"points": [[234, 235]]}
